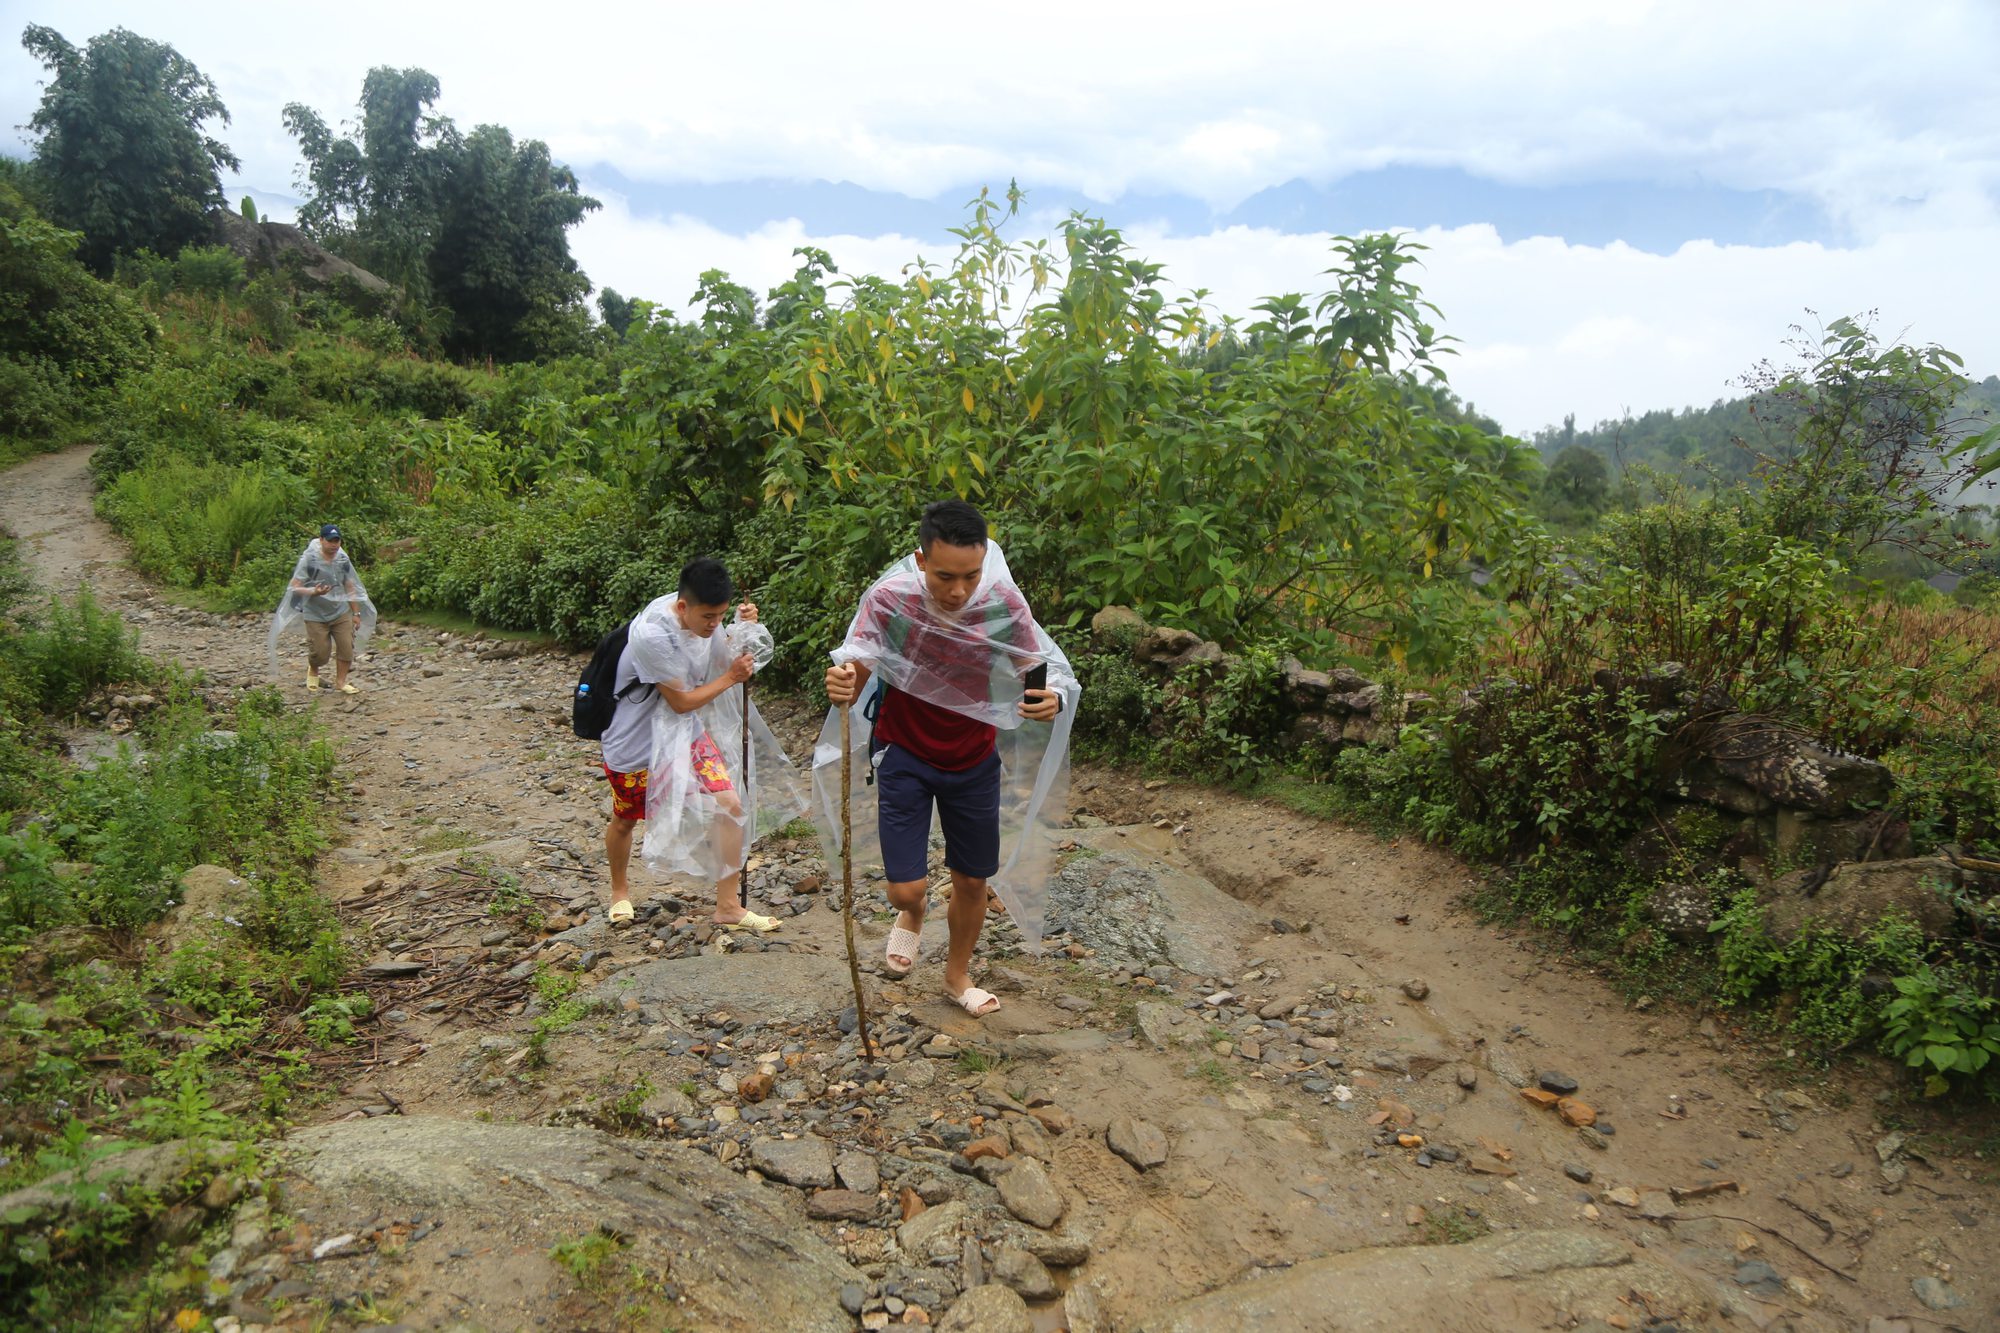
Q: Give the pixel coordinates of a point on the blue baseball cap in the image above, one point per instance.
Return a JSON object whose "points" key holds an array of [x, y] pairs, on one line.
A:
{"points": [[328, 532]]}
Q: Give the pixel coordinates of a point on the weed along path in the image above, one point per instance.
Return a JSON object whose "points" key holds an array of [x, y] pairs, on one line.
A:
{"points": [[1269, 1074]]}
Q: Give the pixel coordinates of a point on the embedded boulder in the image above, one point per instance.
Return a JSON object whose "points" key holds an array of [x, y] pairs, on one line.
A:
{"points": [[1852, 899], [1793, 770]]}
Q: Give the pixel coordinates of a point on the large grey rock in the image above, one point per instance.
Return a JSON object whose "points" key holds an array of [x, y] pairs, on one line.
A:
{"points": [[1137, 910], [935, 1233], [165, 1172], [988, 1309], [1116, 627], [807, 1162], [508, 1193], [262, 244], [771, 987], [1161, 644], [1025, 1274], [1030, 1195], [1140, 1142], [1855, 898], [1793, 770], [1514, 1280], [1165, 1026]]}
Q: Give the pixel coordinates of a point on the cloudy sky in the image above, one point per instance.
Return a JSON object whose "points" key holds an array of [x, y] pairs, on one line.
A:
{"points": [[1626, 205]]}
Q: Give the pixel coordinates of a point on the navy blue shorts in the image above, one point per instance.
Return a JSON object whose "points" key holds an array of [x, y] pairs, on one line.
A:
{"points": [[968, 809]]}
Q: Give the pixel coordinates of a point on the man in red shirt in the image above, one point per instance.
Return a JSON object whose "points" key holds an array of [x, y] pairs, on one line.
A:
{"points": [[936, 746]]}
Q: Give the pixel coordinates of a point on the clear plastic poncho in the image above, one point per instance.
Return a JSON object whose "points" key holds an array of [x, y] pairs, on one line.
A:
{"points": [[973, 663], [692, 827], [344, 596]]}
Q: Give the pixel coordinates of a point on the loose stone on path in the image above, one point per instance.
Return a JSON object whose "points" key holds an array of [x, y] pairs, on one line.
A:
{"points": [[1142, 1144], [1029, 1195]]}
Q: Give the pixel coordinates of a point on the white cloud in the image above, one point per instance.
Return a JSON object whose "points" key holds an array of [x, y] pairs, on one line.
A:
{"points": [[1859, 102], [1545, 327]]}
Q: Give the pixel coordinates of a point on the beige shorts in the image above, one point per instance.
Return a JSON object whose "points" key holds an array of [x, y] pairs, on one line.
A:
{"points": [[324, 638]]}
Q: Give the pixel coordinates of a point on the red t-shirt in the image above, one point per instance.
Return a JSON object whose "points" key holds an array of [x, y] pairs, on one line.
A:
{"points": [[897, 620]]}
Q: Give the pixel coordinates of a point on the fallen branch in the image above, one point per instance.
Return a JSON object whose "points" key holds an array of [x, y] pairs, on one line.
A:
{"points": [[1839, 1273]]}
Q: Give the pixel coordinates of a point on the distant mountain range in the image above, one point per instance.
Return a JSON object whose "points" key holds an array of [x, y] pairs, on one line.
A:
{"points": [[1645, 215]]}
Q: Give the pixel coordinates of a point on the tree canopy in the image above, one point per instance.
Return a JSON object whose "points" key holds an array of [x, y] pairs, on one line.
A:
{"points": [[121, 142], [473, 222]]}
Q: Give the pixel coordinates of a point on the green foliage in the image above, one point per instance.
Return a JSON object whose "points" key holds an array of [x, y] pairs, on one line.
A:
{"points": [[59, 655], [121, 145], [1945, 1028], [246, 796], [330, 1019], [1823, 971], [470, 221], [65, 337]]}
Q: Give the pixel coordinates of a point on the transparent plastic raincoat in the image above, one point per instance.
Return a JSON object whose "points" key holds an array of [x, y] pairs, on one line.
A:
{"points": [[703, 810], [344, 596], [973, 663]]}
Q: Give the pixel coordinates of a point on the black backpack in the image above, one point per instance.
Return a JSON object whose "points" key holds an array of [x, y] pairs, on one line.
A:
{"points": [[597, 696]]}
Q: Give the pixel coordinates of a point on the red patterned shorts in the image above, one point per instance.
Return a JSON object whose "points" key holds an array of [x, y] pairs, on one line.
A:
{"points": [[628, 790]]}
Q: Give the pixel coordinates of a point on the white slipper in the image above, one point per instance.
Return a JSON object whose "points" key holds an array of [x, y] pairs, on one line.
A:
{"points": [[974, 1001], [902, 944]]}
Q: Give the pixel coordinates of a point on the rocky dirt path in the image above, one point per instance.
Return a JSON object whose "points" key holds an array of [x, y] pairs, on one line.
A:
{"points": [[1268, 1074]]}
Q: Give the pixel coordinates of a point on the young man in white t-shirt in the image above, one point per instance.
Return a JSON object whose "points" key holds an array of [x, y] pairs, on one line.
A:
{"points": [[699, 608]]}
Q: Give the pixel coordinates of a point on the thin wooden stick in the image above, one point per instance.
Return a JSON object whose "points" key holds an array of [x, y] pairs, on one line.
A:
{"points": [[847, 879], [749, 808]]}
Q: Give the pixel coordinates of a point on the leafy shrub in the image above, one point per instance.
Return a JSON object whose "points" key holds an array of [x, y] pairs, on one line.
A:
{"points": [[67, 650], [248, 796], [65, 336], [208, 270], [1945, 1028]]}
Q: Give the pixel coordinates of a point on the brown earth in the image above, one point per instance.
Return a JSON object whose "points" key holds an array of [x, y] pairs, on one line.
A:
{"points": [[461, 772]]}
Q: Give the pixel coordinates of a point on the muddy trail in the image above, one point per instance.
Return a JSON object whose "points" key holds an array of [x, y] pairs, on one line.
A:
{"points": [[1267, 1073]]}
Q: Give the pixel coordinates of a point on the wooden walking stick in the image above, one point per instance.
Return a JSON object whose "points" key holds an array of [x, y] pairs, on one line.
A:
{"points": [[847, 879], [749, 806]]}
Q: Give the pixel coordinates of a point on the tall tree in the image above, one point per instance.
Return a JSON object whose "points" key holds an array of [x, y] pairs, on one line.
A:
{"points": [[121, 143], [372, 196], [501, 260], [473, 222]]}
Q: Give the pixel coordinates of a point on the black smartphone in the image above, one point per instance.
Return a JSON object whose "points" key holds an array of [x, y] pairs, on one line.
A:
{"points": [[1038, 677]]}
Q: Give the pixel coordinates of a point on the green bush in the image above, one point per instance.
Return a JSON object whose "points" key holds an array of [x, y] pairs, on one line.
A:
{"points": [[249, 796], [65, 336], [64, 651]]}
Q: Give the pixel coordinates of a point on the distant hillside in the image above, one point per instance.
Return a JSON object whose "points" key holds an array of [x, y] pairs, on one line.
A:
{"points": [[1707, 444]]}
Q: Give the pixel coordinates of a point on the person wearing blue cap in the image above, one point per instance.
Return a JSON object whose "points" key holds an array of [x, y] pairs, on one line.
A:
{"points": [[326, 596]]}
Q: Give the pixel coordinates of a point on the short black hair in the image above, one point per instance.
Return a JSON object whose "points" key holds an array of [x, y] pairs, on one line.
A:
{"points": [[704, 582], [953, 522]]}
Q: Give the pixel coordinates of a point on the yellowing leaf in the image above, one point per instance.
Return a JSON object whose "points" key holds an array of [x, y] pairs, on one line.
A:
{"points": [[797, 418], [1213, 339], [1398, 654], [977, 462], [924, 286], [966, 398], [813, 380], [1427, 569], [1441, 509], [774, 416], [1034, 407]]}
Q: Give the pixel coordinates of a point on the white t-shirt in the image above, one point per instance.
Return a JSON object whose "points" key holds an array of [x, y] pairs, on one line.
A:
{"points": [[671, 655], [628, 741]]}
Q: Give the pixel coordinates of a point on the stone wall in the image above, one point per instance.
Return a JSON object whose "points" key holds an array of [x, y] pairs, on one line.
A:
{"points": [[1782, 809]]}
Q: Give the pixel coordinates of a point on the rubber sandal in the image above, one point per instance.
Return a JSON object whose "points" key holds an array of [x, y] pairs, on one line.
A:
{"points": [[973, 1000], [620, 913], [751, 922], [350, 689], [312, 681], [903, 944]]}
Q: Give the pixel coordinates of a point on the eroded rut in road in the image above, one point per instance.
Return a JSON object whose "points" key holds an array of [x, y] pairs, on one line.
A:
{"points": [[1330, 1061]]}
